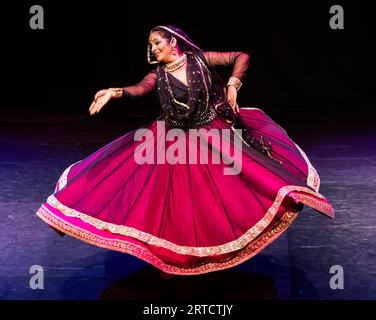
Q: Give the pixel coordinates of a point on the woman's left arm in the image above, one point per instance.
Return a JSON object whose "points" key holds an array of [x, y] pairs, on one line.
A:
{"points": [[240, 62]]}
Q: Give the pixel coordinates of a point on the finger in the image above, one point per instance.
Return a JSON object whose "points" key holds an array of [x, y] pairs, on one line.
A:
{"points": [[99, 107], [233, 106], [96, 108], [92, 106]]}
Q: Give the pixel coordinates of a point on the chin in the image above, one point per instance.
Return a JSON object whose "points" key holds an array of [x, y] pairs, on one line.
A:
{"points": [[158, 58]]}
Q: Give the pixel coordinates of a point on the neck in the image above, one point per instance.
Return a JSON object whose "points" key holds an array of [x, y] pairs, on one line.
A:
{"points": [[174, 58]]}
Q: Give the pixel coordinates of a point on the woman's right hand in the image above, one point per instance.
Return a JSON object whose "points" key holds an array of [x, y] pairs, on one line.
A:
{"points": [[100, 100]]}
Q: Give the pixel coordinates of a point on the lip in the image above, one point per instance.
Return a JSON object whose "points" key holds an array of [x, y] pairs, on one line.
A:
{"points": [[157, 54]]}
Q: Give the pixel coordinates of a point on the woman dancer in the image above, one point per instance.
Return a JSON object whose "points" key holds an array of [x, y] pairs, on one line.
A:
{"points": [[162, 193]]}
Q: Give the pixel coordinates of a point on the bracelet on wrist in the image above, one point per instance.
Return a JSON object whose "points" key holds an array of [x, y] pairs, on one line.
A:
{"points": [[233, 81], [117, 93]]}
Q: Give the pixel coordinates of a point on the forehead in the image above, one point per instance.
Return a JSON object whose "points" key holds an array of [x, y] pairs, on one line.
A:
{"points": [[155, 36]]}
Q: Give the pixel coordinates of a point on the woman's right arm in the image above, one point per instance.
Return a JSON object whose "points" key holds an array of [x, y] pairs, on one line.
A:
{"points": [[102, 97]]}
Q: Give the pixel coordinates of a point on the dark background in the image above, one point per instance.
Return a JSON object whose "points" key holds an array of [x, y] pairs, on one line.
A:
{"points": [[297, 61]]}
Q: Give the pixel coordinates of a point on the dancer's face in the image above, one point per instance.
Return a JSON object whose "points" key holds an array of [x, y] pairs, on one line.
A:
{"points": [[161, 48]]}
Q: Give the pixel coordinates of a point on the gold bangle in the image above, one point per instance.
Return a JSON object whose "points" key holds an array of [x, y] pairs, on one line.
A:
{"points": [[117, 92], [233, 81]]}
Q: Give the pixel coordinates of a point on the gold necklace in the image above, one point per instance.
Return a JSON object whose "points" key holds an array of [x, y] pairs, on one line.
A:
{"points": [[170, 67]]}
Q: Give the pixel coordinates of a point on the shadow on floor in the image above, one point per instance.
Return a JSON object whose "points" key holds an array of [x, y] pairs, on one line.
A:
{"points": [[146, 284], [122, 277]]}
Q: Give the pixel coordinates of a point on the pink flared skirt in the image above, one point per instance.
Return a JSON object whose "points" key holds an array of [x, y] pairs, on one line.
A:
{"points": [[184, 217]]}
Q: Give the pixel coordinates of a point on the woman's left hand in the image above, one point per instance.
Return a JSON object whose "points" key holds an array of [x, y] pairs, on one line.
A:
{"points": [[232, 94]]}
